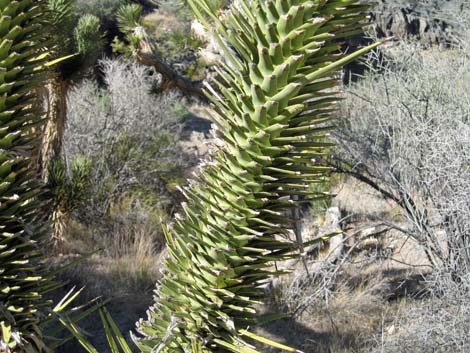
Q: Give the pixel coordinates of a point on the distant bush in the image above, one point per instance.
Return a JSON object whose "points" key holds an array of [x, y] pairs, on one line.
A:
{"points": [[182, 10], [104, 9], [131, 135]]}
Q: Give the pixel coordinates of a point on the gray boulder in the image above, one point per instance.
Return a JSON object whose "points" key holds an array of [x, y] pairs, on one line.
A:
{"points": [[429, 21]]}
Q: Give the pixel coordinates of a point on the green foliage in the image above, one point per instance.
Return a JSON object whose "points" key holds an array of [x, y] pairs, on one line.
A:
{"points": [[178, 40], [75, 33], [69, 188], [104, 9], [182, 10], [143, 173], [166, 31], [129, 16], [321, 187], [89, 39], [216, 5], [114, 337], [273, 104], [22, 229], [62, 19]]}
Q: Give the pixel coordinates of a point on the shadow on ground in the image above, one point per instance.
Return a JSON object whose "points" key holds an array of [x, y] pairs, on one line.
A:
{"points": [[292, 333]]}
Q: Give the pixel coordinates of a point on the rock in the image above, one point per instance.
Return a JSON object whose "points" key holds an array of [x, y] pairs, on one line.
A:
{"points": [[335, 244], [368, 232], [368, 244], [198, 31], [412, 18]]}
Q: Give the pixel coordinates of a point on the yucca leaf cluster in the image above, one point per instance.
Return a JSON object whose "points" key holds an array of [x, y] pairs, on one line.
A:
{"points": [[75, 33], [273, 102], [22, 55], [68, 188]]}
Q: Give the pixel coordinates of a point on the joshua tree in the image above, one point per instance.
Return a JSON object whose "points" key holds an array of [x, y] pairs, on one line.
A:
{"points": [[274, 104], [22, 227], [84, 38]]}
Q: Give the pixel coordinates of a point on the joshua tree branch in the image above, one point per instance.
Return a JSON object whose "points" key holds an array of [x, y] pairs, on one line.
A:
{"points": [[146, 52], [171, 78]]}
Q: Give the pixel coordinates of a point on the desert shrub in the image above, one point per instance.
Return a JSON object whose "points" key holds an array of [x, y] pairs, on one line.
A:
{"points": [[437, 324], [332, 310], [101, 8], [131, 136], [406, 132]]}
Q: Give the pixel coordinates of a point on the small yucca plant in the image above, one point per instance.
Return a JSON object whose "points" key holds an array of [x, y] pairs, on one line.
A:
{"points": [[274, 103], [67, 190]]}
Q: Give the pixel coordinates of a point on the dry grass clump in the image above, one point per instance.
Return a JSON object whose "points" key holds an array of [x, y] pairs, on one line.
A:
{"points": [[125, 259], [340, 319], [124, 270], [336, 309], [439, 323], [345, 305], [134, 257], [350, 314]]}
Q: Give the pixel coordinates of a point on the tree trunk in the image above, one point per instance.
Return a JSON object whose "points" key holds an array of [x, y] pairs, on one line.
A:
{"points": [[51, 146], [55, 99]]}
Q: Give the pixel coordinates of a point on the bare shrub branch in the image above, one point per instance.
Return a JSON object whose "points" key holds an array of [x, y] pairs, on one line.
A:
{"points": [[406, 133]]}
